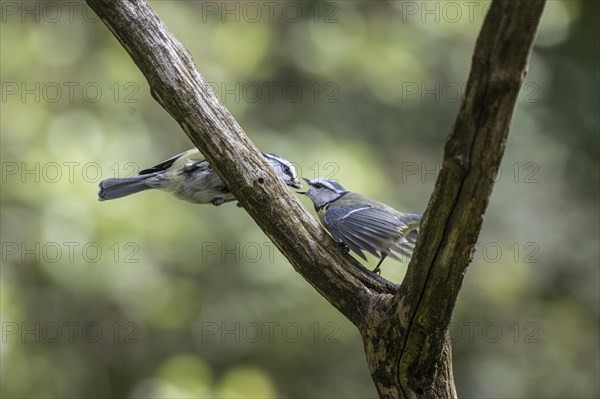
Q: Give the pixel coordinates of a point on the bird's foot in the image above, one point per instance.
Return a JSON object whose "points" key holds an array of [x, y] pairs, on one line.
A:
{"points": [[217, 201], [378, 268], [220, 201], [345, 248]]}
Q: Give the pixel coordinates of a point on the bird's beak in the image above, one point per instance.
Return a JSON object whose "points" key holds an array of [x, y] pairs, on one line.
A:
{"points": [[296, 183], [304, 191]]}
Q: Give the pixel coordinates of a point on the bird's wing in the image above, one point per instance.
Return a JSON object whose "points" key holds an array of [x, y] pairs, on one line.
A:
{"points": [[365, 227], [193, 155]]}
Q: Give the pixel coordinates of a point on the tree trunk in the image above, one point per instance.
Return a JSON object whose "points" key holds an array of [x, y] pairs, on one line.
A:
{"points": [[404, 328]]}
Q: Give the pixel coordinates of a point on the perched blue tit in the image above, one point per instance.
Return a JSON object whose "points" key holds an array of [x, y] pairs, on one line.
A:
{"points": [[190, 177], [361, 223]]}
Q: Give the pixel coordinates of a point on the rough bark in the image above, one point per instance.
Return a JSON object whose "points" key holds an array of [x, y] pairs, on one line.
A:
{"points": [[423, 306], [404, 328]]}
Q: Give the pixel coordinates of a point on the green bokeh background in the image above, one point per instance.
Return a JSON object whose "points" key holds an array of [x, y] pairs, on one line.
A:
{"points": [[149, 296]]}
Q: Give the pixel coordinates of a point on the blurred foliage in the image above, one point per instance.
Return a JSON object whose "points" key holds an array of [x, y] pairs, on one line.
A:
{"points": [[149, 296]]}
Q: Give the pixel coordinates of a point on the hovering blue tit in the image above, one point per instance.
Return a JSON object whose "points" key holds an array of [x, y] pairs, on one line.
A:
{"points": [[361, 223], [189, 177]]}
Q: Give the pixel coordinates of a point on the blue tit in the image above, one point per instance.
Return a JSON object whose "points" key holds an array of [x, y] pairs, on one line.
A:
{"points": [[360, 223], [190, 177]]}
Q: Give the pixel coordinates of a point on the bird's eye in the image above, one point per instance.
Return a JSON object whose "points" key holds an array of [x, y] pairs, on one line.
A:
{"points": [[286, 170], [318, 185]]}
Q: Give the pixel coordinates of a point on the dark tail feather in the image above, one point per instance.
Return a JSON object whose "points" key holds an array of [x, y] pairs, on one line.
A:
{"points": [[121, 187]]}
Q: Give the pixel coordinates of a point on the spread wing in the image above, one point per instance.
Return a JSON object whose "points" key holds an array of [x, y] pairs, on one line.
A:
{"points": [[369, 228]]}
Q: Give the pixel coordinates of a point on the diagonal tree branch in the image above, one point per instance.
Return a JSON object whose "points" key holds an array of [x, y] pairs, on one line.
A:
{"points": [[404, 328]]}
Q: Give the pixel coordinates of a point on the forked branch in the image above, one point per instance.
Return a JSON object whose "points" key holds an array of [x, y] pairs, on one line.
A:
{"points": [[404, 328]]}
